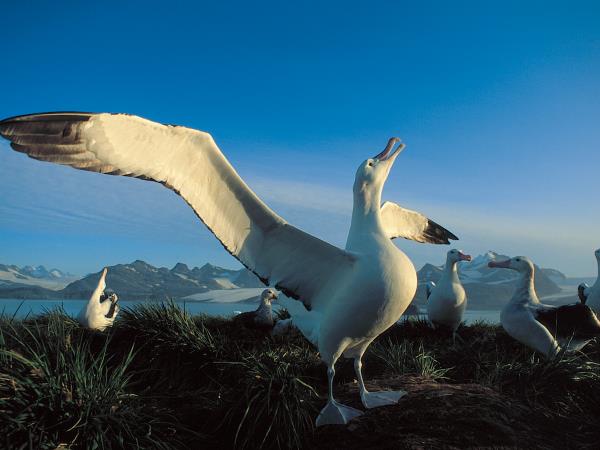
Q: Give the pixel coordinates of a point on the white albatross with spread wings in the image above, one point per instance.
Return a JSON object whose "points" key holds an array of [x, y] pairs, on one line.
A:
{"points": [[101, 310], [357, 293]]}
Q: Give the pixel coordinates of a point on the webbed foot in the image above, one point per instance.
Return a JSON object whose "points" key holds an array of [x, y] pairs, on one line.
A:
{"points": [[335, 413], [381, 398]]}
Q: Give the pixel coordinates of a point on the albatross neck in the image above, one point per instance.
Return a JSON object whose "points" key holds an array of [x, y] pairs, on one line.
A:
{"points": [[451, 270], [525, 289], [366, 223], [265, 307]]}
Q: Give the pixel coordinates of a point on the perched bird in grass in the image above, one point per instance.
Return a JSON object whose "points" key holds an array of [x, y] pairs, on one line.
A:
{"points": [[352, 295], [591, 295], [545, 328], [262, 318], [101, 309], [446, 301]]}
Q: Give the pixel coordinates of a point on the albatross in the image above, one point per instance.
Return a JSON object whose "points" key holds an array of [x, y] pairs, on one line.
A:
{"points": [[101, 310], [590, 295], [545, 328], [353, 294], [262, 318], [447, 301]]}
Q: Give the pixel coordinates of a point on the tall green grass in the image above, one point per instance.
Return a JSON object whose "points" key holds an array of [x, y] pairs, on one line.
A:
{"points": [[161, 378], [406, 357], [55, 389]]}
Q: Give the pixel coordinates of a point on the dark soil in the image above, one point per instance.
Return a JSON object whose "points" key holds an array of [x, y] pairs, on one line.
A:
{"points": [[443, 416]]}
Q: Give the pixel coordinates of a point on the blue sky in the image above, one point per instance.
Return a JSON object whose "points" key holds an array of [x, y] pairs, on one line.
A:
{"points": [[497, 103]]}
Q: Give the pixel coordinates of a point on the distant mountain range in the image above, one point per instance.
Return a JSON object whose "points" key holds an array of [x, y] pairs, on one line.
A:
{"points": [[136, 281], [486, 288], [35, 276]]}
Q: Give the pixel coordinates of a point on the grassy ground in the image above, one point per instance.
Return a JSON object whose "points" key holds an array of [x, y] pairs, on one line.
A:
{"points": [[163, 379]]}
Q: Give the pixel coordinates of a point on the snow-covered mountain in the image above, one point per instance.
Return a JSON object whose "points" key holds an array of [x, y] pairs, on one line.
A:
{"points": [[486, 288], [35, 276], [136, 281], [142, 281]]}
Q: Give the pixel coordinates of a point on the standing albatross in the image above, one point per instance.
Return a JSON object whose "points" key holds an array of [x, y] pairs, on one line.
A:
{"points": [[356, 293], [446, 302]]}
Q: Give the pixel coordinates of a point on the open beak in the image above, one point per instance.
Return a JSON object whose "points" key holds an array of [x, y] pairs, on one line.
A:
{"points": [[464, 257], [388, 153], [501, 264]]}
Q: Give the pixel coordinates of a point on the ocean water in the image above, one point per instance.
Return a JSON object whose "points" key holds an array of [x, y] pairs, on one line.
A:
{"points": [[29, 308]]}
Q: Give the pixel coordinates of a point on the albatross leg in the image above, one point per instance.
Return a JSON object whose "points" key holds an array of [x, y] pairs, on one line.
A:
{"points": [[456, 336], [335, 413], [374, 399]]}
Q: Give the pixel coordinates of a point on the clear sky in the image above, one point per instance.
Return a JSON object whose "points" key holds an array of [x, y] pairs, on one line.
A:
{"points": [[498, 103]]}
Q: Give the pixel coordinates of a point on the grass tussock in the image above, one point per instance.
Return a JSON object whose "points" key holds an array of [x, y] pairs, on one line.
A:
{"points": [[56, 390], [406, 357], [161, 378]]}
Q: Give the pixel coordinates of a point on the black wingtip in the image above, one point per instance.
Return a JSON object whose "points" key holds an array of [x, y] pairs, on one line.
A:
{"points": [[48, 116], [438, 234]]}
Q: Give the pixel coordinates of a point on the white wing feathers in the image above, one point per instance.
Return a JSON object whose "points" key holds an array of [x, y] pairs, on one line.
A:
{"points": [[407, 224], [189, 162], [95, 297]]}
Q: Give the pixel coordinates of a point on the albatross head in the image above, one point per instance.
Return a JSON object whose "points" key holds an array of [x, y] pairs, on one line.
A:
{"points": [[268, 295], [455, 255], [597, 254], [521, 264], [372, 173]]}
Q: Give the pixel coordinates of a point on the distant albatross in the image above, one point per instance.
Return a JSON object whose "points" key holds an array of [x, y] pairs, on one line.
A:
{"points": [[101, 310], [590, 295], [353, 294], [544, 328], [446, 302], [262, 318]]}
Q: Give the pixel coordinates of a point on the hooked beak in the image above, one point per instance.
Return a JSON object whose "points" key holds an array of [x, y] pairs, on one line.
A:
{"points": [[387, 154], [501, 264], [464, 257]]}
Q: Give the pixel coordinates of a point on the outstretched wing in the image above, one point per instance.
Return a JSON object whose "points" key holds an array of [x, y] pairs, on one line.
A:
{"points": [[402, 222], [97, 294], [190, 163], [575, 320]]}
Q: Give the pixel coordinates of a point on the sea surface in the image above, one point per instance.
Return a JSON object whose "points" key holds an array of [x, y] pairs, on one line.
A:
{"points": [[28, 308], [20, 308]]}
